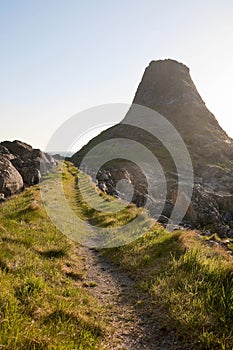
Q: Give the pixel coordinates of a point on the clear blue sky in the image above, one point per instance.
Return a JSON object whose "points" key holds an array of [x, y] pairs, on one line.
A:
{"points": [[59, 57]]}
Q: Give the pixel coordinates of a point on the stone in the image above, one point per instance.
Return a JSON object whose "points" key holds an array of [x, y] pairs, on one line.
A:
{"points": [[30, 163], [168, 88], [2, 198], [11, 181]]}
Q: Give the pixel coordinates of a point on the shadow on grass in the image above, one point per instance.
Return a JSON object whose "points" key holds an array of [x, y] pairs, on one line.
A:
{"points": [[53, 253], [74, 276], [33, 344], [60, 316], [16, 241], [3, 266]]}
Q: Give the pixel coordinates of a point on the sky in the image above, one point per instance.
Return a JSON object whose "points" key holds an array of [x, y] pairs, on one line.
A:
{"points": [[59, 57]]}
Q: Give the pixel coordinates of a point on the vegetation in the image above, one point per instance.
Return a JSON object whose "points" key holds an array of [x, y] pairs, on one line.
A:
{"points": [[191, 282], [42, 302], [44, 305], [111, 213]]}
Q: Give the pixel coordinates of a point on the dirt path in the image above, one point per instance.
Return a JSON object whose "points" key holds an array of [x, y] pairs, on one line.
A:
{"points": [[131, 315]]}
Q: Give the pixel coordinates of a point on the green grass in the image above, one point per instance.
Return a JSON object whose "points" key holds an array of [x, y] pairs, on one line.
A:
{"points": [[191, 282], [42, 302], [111, 217]]}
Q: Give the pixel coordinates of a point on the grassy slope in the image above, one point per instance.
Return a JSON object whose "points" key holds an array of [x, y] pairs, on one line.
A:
{"points": [[189, 279], [43, 306], [191, 282], [42, 302]]}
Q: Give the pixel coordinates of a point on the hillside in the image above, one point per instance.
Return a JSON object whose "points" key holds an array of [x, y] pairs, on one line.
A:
{"points": [[167, 90], [54, 294]]}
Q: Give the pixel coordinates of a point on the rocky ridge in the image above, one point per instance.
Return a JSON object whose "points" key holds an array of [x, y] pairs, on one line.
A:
{"points": [[21, 166], [167, 88]]}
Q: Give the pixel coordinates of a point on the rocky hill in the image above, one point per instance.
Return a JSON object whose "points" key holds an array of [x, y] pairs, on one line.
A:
{"points": [[167, 88], [21, 166]]}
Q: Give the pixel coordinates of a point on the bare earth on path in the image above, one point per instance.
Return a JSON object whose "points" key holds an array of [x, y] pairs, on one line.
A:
{"points": [[132, 316]]}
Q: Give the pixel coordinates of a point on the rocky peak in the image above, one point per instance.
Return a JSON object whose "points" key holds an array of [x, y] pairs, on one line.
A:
{"points": [[167, 82], [167, 88]]}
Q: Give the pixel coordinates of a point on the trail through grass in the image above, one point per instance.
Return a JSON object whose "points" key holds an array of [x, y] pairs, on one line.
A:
{"points": [[191, 282], [45, 304], [42, 305]]}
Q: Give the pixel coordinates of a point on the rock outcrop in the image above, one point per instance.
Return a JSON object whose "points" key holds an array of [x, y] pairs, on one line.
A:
{"points": [[167, 88], [31, 163], [20, 166]]}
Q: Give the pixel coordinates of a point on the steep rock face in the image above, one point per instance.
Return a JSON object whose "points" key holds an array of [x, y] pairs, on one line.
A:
{"points": [[167, 82], [11, 181], [167, 88]]}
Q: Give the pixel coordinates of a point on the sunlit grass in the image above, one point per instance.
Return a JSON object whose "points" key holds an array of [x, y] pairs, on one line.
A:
{"points": [[190, 281], [42, 306], [43, 302], [112, 216]]}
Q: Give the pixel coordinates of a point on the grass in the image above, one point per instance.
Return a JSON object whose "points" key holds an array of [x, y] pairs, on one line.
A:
{"points": [[191, 282], [111, 216], [43, 304]]}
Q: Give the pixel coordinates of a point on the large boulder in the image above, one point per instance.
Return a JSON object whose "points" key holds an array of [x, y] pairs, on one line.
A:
{"points": [[30, 163], [6, 153], [11, 181]]}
